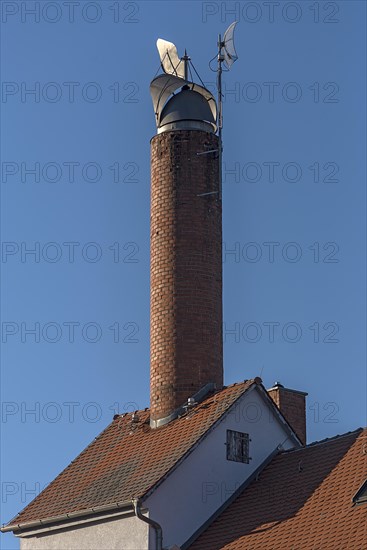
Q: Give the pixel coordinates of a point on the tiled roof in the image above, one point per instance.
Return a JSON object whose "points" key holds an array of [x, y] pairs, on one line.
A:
{"points": [[128, 459], [301, 501]]}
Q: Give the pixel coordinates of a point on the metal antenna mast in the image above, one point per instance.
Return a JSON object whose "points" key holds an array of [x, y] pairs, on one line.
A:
{"points": [[226, 54], [186, 60], [220, 111]]}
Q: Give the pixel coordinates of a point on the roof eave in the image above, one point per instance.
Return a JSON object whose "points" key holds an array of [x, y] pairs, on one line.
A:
{"points": [[66, 518]]}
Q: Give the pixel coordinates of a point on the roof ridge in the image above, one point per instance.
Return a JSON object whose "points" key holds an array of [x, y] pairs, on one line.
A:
{"points": [[326, 440], [256, 379], [210, 394]]}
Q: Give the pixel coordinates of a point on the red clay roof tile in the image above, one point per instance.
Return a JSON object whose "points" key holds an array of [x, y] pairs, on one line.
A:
{"points": [[301, 501], [128, 459]]}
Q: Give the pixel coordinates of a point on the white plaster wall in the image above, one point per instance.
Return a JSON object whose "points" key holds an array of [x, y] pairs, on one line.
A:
{"points": [[206, 479], [124, 533]]}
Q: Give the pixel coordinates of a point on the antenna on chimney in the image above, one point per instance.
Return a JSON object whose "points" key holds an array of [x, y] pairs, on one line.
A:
{"points": [[227, 55], [176, 76]]}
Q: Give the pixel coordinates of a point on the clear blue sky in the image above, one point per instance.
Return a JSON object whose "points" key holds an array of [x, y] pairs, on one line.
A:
{"points": [[294, 135]]}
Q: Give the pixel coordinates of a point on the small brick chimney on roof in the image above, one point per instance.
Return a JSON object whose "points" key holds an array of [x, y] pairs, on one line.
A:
{"points": [[292, 404], [186, 350]]}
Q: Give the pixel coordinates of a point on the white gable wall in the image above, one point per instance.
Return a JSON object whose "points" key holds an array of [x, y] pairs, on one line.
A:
{"points": [[206, 479]]}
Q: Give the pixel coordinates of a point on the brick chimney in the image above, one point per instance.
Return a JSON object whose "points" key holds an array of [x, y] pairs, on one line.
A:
{"points": [[186, 350], [292, 405]]}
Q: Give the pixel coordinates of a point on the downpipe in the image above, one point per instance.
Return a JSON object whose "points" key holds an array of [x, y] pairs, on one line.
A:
{"points": [[157, 528]]}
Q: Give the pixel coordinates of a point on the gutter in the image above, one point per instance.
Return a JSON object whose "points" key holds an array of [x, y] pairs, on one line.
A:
{"points": [[152, 523], [65, 517]]}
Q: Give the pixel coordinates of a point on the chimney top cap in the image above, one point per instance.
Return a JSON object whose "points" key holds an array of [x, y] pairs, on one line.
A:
{"points": [[279, 386], [191, 97], [189, 106]]}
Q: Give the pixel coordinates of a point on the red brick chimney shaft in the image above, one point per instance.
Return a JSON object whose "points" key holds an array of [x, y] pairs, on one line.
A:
{"points": [[186, 349]]}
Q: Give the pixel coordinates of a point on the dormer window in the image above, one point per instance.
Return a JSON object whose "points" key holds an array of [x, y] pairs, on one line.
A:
{"points": [[361, 495], [238, 446]]}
